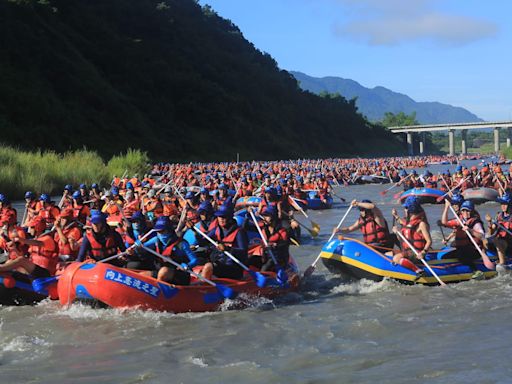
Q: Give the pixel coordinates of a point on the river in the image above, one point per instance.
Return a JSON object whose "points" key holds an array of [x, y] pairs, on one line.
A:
{"points": [[331, 331]]}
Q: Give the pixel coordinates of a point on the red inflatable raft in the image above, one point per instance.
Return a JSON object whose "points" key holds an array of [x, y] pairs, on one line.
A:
{"points": [[124, 288]]}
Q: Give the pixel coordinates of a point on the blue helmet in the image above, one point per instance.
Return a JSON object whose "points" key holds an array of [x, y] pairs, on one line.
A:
{"points": [[270, 210], [403, 173], [68, 187], [137, 216], [163, 224], [29, 195], [94, 186], [505, 199], [412, 204], [223, 186], [414, 172], [204, 191], [190, 195], [467, 206], [44, 197], [83, 186], [459, 168], [205, 207], [3, 199], [98, 217], [225, 211], [129, 185], [114, 191], [457, 199], [76, 195]]}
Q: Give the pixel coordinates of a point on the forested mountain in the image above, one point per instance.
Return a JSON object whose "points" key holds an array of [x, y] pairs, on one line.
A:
{"points": [[170, 77], [375, 102]]}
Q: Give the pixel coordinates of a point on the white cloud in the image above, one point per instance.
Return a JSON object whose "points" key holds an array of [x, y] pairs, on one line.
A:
{"points": [[391, 22]]}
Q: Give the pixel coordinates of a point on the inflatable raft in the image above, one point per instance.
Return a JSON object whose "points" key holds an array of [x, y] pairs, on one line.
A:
{"points": [[373, 179], [16, 289], [480, 195], [123, 288], [247, 201], [424, 195], [353, 258]]}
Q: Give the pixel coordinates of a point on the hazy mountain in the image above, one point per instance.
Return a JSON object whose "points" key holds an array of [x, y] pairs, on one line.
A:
{"points": [[374, 102]]}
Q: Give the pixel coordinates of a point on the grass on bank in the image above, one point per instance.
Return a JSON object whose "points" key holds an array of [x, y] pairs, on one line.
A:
{"points": [[48, 171]]}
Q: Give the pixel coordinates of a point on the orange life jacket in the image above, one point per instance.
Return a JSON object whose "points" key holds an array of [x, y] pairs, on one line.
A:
{"points": [[413, 236], [45, 256], [461, 238], [99, 251], [372, 231]]}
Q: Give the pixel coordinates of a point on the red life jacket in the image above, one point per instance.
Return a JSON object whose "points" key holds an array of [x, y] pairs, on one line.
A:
{"points": [[167, 251], [213, 225], [461, 238], [99, 251], [411, 233], [45, 257], [372, 231], [505, 221], [227, 240]]}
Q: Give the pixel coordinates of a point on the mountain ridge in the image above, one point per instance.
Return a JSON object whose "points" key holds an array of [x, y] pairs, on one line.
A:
{"points": [[374, 102]]}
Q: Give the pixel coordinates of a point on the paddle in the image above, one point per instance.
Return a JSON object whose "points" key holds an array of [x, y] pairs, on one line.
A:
{"points": [[339, 197], [450, 191], [399, 234], [395, 185], [282, 278], [314, 225], [261, 280], [224, 291], [440, 225], [40, 285], [309, 270], [488, 263]]}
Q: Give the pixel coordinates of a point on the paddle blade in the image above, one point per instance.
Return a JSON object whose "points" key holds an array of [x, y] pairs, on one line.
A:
{"points": [[282, 277], [41, 285], [309, 271], [382, 193], [261, 281], [315, 230], [397, 195], [439, 199], [212, 298]]}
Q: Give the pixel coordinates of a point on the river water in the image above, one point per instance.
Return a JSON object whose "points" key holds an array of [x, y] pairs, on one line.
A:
{"points": [[331, 331]]}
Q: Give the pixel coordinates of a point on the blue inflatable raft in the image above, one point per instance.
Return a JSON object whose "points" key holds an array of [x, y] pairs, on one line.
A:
{"points": [[355, 259], [425, 195]]}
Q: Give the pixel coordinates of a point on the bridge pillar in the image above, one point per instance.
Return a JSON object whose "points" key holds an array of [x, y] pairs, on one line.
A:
{"points": [[422, 143], [464, 136], [410, 147], [451, 140], [496, 140], [509, 133]]}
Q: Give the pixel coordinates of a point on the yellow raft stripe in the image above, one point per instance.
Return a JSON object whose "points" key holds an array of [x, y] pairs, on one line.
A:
{"points": [[399, 275]]}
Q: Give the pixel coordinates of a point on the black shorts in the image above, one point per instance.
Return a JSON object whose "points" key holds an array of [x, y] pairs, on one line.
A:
{"points": [[40, 272], [228, 271], [180, 277]]}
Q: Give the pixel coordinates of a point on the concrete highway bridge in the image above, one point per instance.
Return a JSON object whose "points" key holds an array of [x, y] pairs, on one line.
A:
{"points": [[451, 128]]}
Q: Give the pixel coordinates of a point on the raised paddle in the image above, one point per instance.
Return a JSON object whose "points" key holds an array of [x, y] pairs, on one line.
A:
{"points": [[450, 191], [309, 270], [260, 279], [488, 263], [417, 255], [224, 291], [394, 185], [314, 225], [282, 278]]}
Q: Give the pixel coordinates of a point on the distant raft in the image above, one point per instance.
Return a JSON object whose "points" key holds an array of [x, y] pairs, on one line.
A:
{"points": [[373, 179], [247, 201], [480, 195], [424, 195], [114, 287], [355, 259]]}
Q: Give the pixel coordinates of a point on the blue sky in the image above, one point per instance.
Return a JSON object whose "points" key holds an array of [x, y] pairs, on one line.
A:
{"points": [[457, 52]]}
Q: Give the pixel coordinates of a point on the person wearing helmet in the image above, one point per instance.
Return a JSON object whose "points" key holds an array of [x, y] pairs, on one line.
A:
{"points": [[152, 205], [131, 204], [465, 250], [65, 200], [230, 237], [83, 191], [43, 252], [270, 198], [220, 197], [7, 243], [278, 241], [80, 210], [49, 212], [192, 200], [372, 224], [168, 244], [32, 207], [170, 204], [500, 229], [428, 180], [101, 241], [67, 234], [134, 229], [8, 214], [416, 230]]}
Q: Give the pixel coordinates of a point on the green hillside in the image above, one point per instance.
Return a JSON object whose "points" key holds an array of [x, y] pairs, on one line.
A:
{"points": [[168, 77]]}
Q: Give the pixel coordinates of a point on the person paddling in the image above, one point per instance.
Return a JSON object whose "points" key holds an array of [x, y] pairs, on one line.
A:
{"points": [[467, 253], [372, 224], [500, 229], [416, 230]]}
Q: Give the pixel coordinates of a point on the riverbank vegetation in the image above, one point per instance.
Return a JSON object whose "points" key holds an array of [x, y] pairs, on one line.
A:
{"points": [[48, 171]]}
